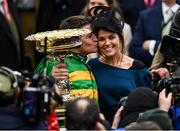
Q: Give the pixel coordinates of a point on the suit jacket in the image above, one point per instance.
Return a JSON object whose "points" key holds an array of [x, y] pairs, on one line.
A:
{"points": [[8, 49], [160, 59], [148, 27], [131, 10]]}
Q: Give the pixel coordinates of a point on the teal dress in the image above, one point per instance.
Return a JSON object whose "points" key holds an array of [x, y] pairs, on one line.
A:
{"points": [[114, 83]]}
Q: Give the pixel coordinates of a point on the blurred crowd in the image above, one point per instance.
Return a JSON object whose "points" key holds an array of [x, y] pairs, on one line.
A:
{"points": [[120, 77]]}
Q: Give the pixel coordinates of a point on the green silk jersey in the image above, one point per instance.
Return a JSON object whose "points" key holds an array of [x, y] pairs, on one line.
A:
{"points": [[80, 76]]}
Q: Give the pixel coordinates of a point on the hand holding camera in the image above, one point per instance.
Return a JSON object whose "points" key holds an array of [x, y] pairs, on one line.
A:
{"points": [[165, 100]]}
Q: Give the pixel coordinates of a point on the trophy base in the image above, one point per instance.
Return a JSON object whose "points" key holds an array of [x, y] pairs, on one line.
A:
{"points": [[69, 97]]}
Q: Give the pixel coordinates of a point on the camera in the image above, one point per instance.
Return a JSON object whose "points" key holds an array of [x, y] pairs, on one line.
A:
{"points": [[36, 99], [170, 48], [172, 84]]}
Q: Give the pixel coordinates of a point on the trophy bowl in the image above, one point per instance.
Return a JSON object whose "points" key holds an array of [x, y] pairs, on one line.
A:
{"points": [[58, 40]]}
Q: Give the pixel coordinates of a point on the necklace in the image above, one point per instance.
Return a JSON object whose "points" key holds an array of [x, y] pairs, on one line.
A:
{"points": [[109, 61]]}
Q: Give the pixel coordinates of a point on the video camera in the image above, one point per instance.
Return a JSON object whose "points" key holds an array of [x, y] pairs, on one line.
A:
{"points": [[36, 99], [35, 95], [170, 48]]}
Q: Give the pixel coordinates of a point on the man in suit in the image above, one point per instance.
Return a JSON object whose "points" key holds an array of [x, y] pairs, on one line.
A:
{"points": [[11, 45], [148, 31], [132, 8]]}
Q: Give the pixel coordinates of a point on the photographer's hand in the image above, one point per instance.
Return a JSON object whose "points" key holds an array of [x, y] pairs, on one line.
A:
{"points": [[117, 118], [165, 102], [161, 72], [60, 72]]}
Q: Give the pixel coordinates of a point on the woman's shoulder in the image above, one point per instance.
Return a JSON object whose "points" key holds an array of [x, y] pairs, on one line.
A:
{"points": [[134, 64], [137, 65]]}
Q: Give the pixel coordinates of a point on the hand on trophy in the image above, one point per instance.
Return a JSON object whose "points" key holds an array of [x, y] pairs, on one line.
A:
{"points": [[59, 72]]}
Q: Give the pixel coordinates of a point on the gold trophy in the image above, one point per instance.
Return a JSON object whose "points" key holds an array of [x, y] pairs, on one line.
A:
{"points": [[58, 44]]}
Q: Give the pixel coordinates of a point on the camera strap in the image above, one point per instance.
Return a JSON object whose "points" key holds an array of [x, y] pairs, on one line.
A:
{"points": [[167, 23]]}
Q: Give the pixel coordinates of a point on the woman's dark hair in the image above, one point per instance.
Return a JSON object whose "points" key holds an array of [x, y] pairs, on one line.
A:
{"points": [[108, 19]]}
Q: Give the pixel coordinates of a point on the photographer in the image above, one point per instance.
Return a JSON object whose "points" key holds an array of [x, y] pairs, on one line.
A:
{"points": [[140, 100], [10, 115], [160, 60], [168, 55]]}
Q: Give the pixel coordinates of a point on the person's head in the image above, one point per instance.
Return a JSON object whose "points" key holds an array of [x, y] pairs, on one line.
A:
{"points": [[158, 116], [92, 3], [81, 114], [149, 125], [89, 41], [108, 30], [169, 2], [138, 101], [8, 87]]}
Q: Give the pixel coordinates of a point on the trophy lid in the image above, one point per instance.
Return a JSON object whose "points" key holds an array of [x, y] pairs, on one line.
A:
{"points": [[58, 40], [57, 34]]}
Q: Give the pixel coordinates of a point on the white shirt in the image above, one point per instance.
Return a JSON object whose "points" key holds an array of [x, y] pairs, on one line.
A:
{"points": [[165, 8], [1, 8]]}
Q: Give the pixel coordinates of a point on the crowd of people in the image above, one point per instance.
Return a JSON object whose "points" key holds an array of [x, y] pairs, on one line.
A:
{"points": [[110, 74]]}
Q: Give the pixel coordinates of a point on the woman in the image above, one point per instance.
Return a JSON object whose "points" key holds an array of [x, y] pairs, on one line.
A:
{"points": [[114, 4], [116, 74]]}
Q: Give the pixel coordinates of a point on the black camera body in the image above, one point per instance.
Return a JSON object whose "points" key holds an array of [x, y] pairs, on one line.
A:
{"points": [[36, 99], [172, 84]]}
